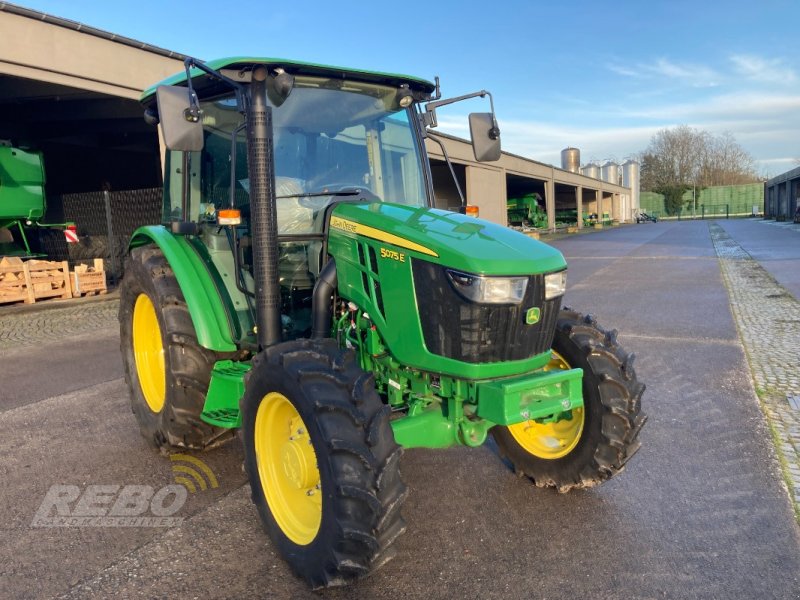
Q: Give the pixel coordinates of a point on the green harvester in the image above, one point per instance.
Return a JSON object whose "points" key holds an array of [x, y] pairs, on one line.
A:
{"points": [[304, 291], [21, 197], [527, 211]]}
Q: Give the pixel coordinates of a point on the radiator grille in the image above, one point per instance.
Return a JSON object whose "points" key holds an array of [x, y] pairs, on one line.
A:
{"points": [[456, 328]]}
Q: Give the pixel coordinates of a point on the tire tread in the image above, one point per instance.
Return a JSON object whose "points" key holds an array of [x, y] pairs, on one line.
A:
{"points": [[362, 455]]}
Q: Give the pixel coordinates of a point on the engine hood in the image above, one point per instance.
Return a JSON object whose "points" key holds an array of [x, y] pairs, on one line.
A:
{"points": [[450, 239]]}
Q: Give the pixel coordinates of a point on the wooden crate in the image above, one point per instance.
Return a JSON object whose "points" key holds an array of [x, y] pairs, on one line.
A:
{"points": [[15, 282], [89, 280], [32, 280], [50, 279]]}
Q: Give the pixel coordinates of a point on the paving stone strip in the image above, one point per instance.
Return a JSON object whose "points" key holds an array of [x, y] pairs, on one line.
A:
{"points": [[768, 319], [29, 328]]}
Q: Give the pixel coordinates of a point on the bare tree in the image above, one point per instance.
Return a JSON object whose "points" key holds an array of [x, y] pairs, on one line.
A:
{"points": [[726, 163], [684, 157]]}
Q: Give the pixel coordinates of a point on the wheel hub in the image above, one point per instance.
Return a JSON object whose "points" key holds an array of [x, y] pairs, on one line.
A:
{"points": [[287, 468], [299, 462], [551, 440], [148, 352]]}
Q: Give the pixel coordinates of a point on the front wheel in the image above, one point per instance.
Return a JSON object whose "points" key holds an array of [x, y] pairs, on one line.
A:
{"points": [[322, 461], [594, 442]]}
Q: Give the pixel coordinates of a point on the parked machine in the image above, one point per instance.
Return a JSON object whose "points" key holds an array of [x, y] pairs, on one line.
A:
{"points": [[527, 211], [22, 202], [305, 291], [643, 217]]}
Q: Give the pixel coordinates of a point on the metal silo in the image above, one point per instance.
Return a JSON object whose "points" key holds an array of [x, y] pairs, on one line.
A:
{"points": [[591, 170], [610, 172], [571, 159], [630, 179]]}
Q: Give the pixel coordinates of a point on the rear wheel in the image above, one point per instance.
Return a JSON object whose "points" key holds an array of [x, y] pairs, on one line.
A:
{"points": [[322, 461], [166, 369], [595, 442]]}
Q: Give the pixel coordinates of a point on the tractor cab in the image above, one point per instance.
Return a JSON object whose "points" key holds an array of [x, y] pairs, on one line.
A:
{"points": [[336, 137]]}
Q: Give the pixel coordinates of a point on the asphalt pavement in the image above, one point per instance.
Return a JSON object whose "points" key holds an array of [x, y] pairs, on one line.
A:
{"points": [[702, 511]]}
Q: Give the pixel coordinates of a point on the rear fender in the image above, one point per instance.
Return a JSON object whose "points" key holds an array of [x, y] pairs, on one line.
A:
{"points": [[203, 300]]}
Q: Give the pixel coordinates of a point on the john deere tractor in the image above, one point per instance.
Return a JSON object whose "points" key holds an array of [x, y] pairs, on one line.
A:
{"points": [[304, 291]]}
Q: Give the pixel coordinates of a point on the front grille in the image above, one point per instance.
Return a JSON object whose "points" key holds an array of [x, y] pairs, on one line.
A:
{"points": [[456, 328]]}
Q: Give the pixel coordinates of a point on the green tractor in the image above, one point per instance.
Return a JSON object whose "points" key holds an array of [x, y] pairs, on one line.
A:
{"points": [[304, 291]]}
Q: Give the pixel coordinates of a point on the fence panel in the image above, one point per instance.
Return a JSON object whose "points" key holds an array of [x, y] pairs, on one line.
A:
{"points": [[105, 223]]}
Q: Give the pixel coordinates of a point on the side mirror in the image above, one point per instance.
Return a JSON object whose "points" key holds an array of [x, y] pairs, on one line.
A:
{"points": [[485, 137], [180, 118]]}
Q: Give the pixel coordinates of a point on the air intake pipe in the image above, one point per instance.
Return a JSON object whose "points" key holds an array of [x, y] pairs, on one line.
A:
{"points": [[263, 211]]}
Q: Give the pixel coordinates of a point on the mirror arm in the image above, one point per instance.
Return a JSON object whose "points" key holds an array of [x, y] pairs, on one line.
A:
{"points": [[190, 63], [430, 107], [436, 139], [494, 132]]}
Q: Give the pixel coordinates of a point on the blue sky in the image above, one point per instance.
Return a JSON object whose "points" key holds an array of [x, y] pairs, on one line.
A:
{"points": [[600, 76]]}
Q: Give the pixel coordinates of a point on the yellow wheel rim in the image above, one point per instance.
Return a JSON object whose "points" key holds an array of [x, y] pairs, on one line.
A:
{"points": [[148, 352], [287, 468], [550, 440]]}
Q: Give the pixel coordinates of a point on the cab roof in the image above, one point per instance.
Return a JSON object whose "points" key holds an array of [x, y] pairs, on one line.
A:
{"points": [[206, 85]]}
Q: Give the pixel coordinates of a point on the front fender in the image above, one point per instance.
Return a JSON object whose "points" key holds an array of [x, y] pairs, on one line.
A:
{"points": [[205, 305]]}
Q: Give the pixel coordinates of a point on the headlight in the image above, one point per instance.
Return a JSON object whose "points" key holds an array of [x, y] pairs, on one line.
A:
{"points": [[489, 290], [555, 284]]}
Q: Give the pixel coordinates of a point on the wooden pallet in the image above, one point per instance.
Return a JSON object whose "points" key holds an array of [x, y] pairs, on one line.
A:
{"points": [[89, 280], [32, 280]]}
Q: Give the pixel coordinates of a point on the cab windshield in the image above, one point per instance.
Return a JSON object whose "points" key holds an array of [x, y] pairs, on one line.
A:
{"points": [[332, 139]]}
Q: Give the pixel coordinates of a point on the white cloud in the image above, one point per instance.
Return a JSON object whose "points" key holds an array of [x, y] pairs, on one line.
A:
{"points": [[692, 74], [769, 140], [697, 75], [726, 106], [764, 119], [623, 70], [750, 66], [779, 162], [766, 70], [544, 141], [771, 167]]}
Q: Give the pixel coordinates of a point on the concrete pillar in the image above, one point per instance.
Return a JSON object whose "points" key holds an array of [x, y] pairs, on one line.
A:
{"points": [[616, 209], [598, 202], [486, 189], [579, 204], [550, 203]]}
